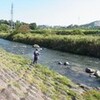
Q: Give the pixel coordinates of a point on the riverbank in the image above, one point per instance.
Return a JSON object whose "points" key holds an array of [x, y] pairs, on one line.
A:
{"points": [[23, 80], [88, 45]]}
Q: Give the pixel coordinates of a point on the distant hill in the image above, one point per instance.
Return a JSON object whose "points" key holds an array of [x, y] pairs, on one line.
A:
{"points": [[94, 24]]}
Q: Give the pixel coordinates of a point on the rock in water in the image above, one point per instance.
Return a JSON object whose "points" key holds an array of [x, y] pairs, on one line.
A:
{"points": [[97, 73], [66, 63], [36, 46], [60, 63], [89, 70]]}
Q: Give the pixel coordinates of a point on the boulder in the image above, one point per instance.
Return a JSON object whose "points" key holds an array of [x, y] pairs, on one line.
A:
{"points": [[97, 73], [66, 63], [90, 70], [60, 63]]}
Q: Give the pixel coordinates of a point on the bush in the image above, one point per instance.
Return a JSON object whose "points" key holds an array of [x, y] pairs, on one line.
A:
{"points": [[77, 32], [23, 29]]}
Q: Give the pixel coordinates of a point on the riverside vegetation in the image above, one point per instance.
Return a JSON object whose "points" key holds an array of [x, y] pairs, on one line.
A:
{"points": [[74, 39], [37, 82], [78, 43]]}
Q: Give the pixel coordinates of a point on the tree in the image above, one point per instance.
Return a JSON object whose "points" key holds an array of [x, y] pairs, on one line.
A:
{"points": [[4, 22], [32, 26], [17, 24], [4, 27], [24, 28]]}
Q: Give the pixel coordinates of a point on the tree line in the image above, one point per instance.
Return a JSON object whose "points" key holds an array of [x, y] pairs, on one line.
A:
{"points": [[17, 26]]}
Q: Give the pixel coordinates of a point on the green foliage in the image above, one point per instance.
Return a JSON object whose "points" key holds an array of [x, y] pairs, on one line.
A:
{"points": [[17, 25], [92, 95], [46, 31], [23, 28], [79, 44], [4, 22], [63, 32], [77, 32], [38, 31], [4, 28], [32, 26], [4, 35], [92, 32], [18, 37]]}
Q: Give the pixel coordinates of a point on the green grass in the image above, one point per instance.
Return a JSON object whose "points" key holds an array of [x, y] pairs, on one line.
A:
{"points": [[92, 95], [51, 83], [79, 44]]}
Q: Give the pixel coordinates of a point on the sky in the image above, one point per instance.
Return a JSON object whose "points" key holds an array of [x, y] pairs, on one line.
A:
{"points": [[51, 12]]}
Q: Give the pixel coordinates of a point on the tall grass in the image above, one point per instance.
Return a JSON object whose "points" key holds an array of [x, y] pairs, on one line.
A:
{"points": [[67, 32], [80, 44]]}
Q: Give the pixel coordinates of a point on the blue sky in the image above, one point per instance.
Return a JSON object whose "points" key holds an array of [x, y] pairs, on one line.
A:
{"points": [[52, 12]]}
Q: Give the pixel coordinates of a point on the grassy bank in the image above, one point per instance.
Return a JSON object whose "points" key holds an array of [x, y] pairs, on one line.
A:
{"points": [[51, 84], [79, 44]]}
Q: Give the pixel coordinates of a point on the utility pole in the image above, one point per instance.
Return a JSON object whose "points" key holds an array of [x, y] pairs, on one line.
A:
{"points": [[12, 23]]}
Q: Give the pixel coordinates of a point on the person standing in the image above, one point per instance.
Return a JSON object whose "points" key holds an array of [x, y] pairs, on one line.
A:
{"points": [[36, 56]]}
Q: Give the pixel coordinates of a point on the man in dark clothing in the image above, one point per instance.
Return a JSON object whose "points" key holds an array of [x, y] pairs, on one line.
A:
{"points": [[36, 56]]}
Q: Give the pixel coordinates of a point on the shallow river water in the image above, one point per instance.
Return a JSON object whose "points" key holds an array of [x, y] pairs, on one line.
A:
{"points": [[75, 70]]}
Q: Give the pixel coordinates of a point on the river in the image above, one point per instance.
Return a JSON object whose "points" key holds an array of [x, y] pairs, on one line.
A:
{"points": [[75, 70]]}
